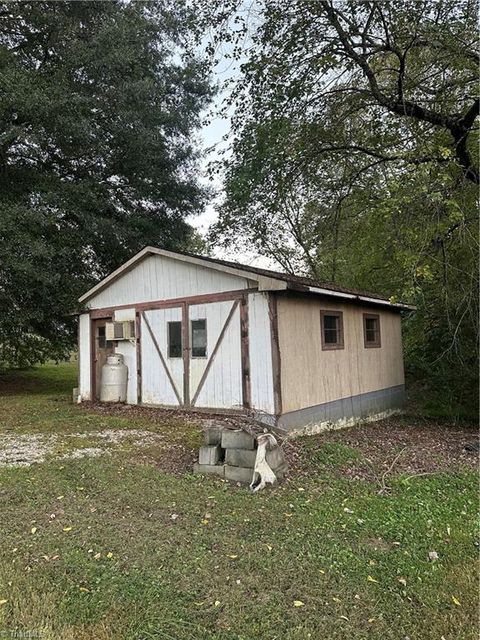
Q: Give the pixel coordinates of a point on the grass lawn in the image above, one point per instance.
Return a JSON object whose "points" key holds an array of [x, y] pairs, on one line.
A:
{"points": [[130, 545]]}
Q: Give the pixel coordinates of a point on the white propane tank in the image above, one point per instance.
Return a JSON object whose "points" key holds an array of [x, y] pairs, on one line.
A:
{"points": [[113, 384]]}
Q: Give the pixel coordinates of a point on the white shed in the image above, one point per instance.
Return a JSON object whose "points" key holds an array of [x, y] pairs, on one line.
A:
{"points": [[220, 336]]}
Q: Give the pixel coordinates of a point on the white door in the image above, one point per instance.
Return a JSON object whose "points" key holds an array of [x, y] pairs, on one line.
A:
{"points": [[215, 362], [162, 357], [199, 365]]}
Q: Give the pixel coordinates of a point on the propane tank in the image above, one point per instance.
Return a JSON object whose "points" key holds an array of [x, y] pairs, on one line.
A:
{"points": [[113, 384]]}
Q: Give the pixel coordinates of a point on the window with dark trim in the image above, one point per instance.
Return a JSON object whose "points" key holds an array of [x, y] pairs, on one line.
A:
{"points": [[332, 329], [371, 330], [199, 338], [103, 343], [174, 330]]}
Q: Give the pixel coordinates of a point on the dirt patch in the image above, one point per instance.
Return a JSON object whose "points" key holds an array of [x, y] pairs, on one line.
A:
{"points": [[174, 459], [391, 447], [162, 416], [25, 450]]}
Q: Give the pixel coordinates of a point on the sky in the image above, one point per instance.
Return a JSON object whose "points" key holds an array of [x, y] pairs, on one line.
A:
{"points": [[212, 141]]}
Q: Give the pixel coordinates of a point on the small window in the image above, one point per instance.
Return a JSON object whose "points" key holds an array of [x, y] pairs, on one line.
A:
{"points": [[103, 343], [199, 338], [332, 329], [371, 330], [174, 339]]}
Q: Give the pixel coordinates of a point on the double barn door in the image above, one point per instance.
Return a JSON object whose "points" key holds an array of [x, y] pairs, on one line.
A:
{"points": [[191, 355]]}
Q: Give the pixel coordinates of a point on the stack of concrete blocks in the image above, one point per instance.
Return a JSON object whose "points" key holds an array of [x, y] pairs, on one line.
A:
{"points": [[231, 453]]}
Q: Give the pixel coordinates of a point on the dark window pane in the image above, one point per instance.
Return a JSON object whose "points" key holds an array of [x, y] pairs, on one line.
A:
{"points": [[199, 338], [371, 329], [330, 322], [330, 329], [174, 339], [101, 337]]}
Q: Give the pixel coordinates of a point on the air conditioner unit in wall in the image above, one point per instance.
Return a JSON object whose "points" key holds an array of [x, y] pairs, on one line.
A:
{"points": [[120, 330]]}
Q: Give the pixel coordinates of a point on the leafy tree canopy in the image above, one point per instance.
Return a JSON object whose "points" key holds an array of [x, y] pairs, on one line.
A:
{"points": [[355, 159], [99, 103]]}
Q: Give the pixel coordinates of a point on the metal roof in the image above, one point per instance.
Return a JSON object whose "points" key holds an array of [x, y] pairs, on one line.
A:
{"points": [[266, 278]]}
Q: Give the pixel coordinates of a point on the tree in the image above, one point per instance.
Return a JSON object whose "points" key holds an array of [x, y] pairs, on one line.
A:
{"points": [[355, 160], [99, 102]]}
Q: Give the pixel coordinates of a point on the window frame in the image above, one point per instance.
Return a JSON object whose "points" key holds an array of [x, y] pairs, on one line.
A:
{"points": [[192, 320], [169, 356], [369, 344], [332, 346]]}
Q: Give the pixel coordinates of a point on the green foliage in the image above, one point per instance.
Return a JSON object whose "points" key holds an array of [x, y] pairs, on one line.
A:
{"points": [[348, 163], [98, 105]]}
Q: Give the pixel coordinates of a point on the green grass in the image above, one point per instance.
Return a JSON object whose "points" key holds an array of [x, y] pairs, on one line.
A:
{"points": [[232, 564]]}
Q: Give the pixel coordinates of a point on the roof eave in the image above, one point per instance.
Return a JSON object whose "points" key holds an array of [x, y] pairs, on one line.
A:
{"points": [[360, 298]]}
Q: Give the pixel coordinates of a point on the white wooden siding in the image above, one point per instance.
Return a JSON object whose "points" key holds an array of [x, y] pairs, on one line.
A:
{"points": [[156, 387], [223, 385], [160, 278], [261, 370], [84, 356]]}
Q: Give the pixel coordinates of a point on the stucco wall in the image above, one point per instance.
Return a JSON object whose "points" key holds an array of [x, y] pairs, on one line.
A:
{"points": [[310, 376]]}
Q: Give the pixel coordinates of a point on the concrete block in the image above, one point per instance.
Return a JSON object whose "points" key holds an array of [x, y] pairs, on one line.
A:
{"points": [[209, 469], [237, 439], [238, 474], [209, 454], [240, 457], [213, 433], [275, 458]]}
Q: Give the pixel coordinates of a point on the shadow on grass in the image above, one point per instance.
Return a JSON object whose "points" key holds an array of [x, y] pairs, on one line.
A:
{"points": [[48, 379]]}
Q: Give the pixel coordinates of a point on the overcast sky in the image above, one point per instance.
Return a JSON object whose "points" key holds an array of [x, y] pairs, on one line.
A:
{"points": [[212, 137]]}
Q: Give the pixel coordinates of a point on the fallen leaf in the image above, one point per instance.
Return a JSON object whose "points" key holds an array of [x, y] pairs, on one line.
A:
{"points": [[109, 554], [204, 521], [97, 556], [298, 603], [347, 510], [402, 581], [432, 555], [217, 603], [371, 620], [3, 601], [60, 497], [67, 529], [269, 547], [456, 601], [288, 515], [174, 516], [85, 589], [370, 579], [33, 529], [344, 618], [232, 556]]}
